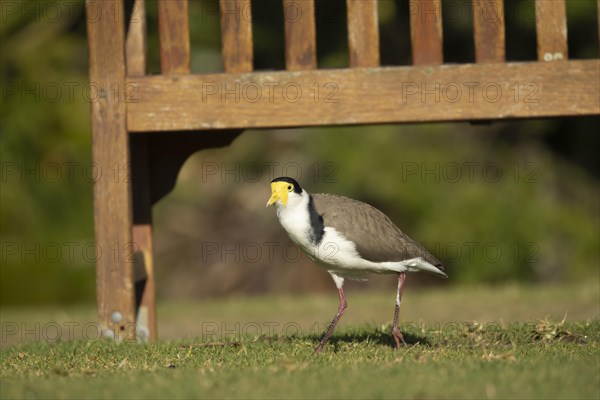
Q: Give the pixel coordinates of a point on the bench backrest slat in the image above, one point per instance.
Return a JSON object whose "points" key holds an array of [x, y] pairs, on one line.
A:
{"points": [[426, 32], [402, 103], [488, 31], [300, 36], [551, 29], [174, 37], [236, 35], [135, 46], [363, 33]]}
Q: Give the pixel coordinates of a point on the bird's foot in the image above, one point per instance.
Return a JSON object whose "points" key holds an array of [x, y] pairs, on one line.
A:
{"points": [[319, 348], [398, 337]]}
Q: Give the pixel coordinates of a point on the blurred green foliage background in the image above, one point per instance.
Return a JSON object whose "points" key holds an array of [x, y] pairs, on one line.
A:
{"points": [[505, 201]]}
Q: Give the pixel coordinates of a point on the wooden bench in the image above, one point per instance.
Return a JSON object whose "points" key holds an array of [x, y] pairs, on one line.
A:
{"points": [[144, 127]]}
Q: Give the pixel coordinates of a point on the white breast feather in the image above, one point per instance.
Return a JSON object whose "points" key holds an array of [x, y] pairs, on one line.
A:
{"points": [[335, 252]]}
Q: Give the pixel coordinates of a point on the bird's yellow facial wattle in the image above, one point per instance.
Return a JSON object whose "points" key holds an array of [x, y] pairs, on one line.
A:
{"points": [[279, 191]]}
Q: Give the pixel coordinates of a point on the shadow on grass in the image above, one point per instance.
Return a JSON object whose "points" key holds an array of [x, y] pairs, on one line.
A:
{"points": [[377, 337]]}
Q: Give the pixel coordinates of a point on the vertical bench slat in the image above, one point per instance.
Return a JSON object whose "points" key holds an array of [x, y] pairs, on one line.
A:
{"points": [[142, 237], [363, 33], [236, 35], [112, 192], [426, 32], [174, 36], [488, 29], [142, 209], [135, 45], [300, 39], [551, 29]]}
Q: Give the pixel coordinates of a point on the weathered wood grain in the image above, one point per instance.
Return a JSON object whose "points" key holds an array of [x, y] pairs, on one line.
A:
{"points": [[363, 33], [236, 35], [112, 192], [488, 30], [426, 32], [300, 37], [551, 29], [135, 45], [174, 36], [143, 268], [365, 96]]}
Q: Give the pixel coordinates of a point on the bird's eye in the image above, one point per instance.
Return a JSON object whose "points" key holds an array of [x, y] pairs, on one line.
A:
{"points": [[290, 188]]}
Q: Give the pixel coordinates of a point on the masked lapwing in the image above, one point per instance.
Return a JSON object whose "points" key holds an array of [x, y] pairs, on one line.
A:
{"points": [[350, 239]]}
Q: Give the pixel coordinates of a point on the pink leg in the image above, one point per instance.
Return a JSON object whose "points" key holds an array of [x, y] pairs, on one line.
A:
{"points": [[340, 312], [395, 330]]}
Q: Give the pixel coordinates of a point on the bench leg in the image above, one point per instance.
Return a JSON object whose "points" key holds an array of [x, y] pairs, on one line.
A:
{"points": [[112, 186], [113, 229], [142, 237]]}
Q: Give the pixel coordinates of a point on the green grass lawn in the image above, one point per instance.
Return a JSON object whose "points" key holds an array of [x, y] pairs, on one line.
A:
{"points": [[487, 342]]}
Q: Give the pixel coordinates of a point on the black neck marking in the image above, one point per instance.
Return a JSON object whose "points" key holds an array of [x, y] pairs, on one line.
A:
{"points": [[316, 223]]}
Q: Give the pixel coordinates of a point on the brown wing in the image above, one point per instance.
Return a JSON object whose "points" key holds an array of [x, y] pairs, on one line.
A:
{"points": [[376, 237]]}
